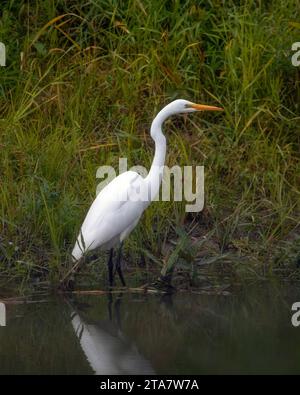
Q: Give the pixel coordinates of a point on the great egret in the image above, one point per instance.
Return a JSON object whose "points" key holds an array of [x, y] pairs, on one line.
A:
{"points": [[106, 347], [115, 212]]}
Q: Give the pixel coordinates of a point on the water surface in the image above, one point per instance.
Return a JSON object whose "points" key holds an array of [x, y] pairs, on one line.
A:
{"points": [[245, 332]]}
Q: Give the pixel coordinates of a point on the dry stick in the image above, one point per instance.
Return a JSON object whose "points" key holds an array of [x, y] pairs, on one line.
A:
{"points": [[149, 290], [118, 290], [16, 301]]}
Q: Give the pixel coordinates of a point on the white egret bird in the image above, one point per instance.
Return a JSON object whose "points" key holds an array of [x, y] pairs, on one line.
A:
{"points": [[116, 210], [107, 349]]}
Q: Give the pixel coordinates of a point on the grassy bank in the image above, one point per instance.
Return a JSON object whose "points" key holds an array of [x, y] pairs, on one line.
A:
{"points": [[81, 86]]}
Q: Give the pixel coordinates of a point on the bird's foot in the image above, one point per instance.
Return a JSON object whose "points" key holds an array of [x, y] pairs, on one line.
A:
{"points": [[162, 284], [67, 285]]}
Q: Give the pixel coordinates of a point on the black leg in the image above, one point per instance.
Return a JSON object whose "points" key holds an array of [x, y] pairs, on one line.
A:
{"points": [[117, 308], [118, 266], [142, 262], [109, 305], [110, 265]]}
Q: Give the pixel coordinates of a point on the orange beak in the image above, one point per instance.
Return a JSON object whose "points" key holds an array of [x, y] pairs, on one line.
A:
{"points": [[203, 107]]}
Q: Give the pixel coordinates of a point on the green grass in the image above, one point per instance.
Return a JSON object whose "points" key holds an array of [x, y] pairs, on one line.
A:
{"points": [[92, 76]]}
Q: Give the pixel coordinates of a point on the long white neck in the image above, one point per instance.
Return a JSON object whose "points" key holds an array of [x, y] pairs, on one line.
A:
{"points": [[156, 171]]}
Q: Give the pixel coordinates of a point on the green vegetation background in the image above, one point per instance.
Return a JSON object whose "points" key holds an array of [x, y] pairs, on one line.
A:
{"points": [[82, 83]]}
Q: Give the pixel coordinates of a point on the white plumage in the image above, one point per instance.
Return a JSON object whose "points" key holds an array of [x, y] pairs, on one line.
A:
{"points": [[108, 351], [117, 210], [109, 219]]}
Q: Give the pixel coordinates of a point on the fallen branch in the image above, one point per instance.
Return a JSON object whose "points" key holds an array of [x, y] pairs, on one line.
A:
{"points": [[118, 290]]}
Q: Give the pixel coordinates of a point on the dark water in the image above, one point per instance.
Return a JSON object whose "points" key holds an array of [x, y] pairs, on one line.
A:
{"points": [[246, 332]]}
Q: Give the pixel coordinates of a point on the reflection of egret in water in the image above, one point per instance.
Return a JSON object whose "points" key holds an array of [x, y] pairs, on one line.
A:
{"points": [[106, 348], [2, 314]]}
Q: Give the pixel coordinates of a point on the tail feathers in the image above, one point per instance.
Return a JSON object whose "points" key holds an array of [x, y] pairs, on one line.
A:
{"points": [[77, 252], [84, 243]]}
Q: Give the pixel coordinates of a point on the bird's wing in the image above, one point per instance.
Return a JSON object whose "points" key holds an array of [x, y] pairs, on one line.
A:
{"points": [[111, 213]]}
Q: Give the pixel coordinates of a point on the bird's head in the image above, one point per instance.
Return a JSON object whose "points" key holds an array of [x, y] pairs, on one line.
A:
{"points": [[180, 106]]}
